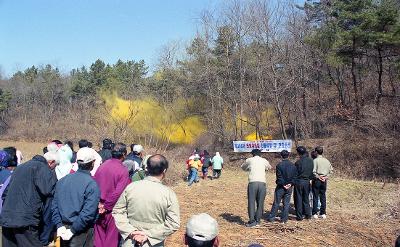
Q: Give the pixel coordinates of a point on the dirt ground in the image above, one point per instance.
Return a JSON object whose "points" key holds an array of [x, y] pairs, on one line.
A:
{"points": [[358, 211], [356, 214]]}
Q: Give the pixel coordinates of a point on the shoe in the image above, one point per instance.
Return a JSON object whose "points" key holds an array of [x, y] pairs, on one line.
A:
{"points": [[315, 216], [271, 220], [323, 216], [299, 219], [252, 224], [283, 222], [308, 217]]}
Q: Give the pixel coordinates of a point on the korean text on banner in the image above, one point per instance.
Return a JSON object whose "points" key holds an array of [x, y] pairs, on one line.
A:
{"points": [[266, 146]]}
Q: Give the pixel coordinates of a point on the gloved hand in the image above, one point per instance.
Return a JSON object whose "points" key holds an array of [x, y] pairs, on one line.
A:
{"points": [[67, 235], [61, 230]]}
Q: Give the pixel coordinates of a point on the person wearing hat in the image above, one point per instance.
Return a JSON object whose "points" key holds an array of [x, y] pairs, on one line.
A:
{"points": [[147, 211], [217, 164], [75, 219], [256, 189], [136, 155], [195, 165], [30, 185], [305, 166], [112, 178], [202, 231], [286, 173], [105, 152]]}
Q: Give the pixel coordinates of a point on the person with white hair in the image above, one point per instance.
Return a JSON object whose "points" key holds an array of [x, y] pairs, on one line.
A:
{"points": [[30, 186], [217, 164], [202, 231]]}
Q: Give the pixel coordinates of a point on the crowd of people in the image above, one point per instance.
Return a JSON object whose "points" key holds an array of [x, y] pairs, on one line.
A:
{"points": [[112, 198], [92, 198], [308, 175], [202, 162]]}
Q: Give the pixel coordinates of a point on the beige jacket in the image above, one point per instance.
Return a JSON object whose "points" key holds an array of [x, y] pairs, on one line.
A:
{"points": [[322, 167], [256, 166], [148, 206]]}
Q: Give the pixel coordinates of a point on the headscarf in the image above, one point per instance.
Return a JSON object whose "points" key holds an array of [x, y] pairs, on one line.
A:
{"points": [[65, 166]]}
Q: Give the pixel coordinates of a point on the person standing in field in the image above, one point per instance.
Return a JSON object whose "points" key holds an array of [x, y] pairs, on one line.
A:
{"points": [[304, 167], [206, 161], [112, 178], [322, 170], [105, 152], [195, 165], [256, 189], [217, 164], [285, 175], [147, 211], [30, 185], [75, 219]]}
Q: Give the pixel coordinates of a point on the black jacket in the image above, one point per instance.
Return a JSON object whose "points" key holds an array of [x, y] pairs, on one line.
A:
{"points": [[286, 173], [105, 154], [30, 185], [305, 166]]}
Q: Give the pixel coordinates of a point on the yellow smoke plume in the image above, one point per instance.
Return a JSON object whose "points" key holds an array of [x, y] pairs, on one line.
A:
{"points": [[147, 117]]}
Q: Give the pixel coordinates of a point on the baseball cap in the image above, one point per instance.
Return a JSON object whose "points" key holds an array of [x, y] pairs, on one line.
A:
{"points": [[202, 227], [137, 148], [85, 155]]}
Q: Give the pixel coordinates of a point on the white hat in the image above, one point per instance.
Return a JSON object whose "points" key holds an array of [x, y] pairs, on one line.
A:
{"points": [[202, 227], [137, 149], [50, 156], [85, 155]]}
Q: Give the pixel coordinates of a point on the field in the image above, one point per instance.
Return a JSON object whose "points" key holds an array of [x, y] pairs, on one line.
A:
{"points": [[360, 213]]}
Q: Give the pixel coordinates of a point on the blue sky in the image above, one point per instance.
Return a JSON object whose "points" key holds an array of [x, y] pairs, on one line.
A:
{"points": [[72, 33]]}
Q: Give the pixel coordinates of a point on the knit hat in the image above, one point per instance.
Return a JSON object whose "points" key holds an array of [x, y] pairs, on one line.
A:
{"points": [[85, 155], [202, 227]]}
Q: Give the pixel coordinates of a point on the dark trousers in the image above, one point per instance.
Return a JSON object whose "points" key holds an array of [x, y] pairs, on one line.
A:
{"points": [[22, 236], [217, 173], [83, 239], [281, 194], [319, 193], [302, 201], [256, 192]]}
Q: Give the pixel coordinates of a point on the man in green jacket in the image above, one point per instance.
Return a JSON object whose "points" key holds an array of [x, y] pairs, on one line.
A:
{"points": [[148, 211], [322, 170]]}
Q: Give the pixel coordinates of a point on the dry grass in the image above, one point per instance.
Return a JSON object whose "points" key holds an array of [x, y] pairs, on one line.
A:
{"points": [[354, 214], [359, 213]]}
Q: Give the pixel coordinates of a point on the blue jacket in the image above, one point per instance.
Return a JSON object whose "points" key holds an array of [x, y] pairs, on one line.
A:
{"points": [[286, 173], [76, 201]]}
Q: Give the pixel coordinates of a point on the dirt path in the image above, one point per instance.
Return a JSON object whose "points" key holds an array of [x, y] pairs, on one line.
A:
{"points": [[352, 216]]}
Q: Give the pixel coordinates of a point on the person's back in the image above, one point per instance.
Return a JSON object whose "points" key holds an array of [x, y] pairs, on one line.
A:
{"points": [[110, 175], [148, 211], [150, 199], [105, 154], [322, 166], [286, 172], [217, 162], [257, 166], [305, 166], [74, 189], [30, 184]]}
